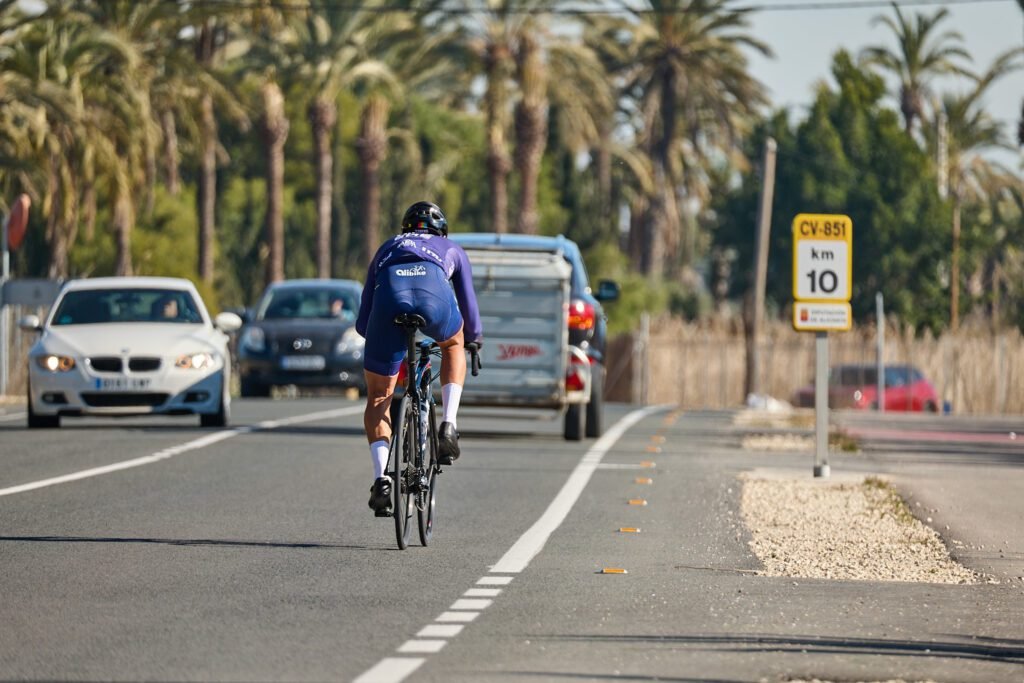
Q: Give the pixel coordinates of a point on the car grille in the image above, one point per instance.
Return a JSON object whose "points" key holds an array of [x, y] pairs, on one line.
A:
{"points": [[143, 364], [123, 399], [105, 363]]}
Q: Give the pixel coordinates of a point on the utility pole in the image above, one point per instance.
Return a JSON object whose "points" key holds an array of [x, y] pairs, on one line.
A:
{"points": [[764, 226]]}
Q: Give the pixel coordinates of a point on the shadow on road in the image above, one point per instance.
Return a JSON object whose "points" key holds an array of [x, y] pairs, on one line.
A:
{"points": [[223, 543], [965, 647]]}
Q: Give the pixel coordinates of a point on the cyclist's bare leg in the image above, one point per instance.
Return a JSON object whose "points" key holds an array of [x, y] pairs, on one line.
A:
{"points": [[377, 419], [453, 360]]}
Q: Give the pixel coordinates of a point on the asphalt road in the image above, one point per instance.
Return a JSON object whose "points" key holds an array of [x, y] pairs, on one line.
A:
{"points": [[149, 549]]}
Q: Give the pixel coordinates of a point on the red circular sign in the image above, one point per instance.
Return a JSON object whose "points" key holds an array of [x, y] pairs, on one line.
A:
{"points": [[17, 222]]}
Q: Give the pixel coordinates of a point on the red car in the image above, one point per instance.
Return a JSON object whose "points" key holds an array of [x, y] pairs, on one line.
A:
{"points": [[856, 386]]}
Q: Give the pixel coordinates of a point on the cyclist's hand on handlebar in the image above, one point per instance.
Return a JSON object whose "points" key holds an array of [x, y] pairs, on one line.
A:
{"points": [[474, 355]]}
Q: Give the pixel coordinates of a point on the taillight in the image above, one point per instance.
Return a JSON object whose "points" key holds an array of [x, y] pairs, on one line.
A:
{"points": [[581, 315]]}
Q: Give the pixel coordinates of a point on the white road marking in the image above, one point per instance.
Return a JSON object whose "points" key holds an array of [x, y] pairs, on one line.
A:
{"points": [[440, 631], [390, 670], [621, 466], [166, 453], [462, 617], [466, 609], [530, 543], [12, 416], [471, 604], [495, 581], [422, 647]]}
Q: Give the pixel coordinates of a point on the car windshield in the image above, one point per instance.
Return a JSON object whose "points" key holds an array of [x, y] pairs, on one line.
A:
{"points": [[308, 302], [98, 306], [857, 376]]}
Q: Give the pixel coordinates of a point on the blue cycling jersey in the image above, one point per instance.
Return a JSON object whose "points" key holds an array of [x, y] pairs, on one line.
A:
{"points": [[412, 247]]}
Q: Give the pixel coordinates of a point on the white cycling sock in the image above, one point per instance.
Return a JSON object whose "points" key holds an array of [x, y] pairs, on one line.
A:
{"points": [[451, 394], [379, 455]]}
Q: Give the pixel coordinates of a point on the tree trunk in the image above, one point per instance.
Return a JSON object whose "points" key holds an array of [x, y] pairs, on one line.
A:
{"points": [[275, 132], [206, 195], [124, 219], [372, 148], [495, 105], [954, 268], [531, 125], [170, 130], [323, 114], [603, 160]]}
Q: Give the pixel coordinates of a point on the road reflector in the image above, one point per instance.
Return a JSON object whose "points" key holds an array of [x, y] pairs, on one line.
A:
{"points": [[648, 463], [658, 438], [629, 530], [654, 449], [643, 480], [613, 570], [637, 501]]}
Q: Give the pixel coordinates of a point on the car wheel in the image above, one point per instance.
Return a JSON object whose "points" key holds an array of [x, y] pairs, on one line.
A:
{"points": [[574, 416], [251, 387], [219, 418], [595, 412], [40, 421]]}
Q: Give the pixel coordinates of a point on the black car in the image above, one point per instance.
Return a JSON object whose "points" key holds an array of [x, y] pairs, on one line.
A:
{"points": [[588, 325], [302, 332]]}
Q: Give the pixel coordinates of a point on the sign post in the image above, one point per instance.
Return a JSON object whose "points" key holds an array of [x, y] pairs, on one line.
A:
{"points": [[822, 268]]}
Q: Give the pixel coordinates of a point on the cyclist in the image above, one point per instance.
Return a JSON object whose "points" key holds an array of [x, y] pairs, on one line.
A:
{"points": [[418, 271]]}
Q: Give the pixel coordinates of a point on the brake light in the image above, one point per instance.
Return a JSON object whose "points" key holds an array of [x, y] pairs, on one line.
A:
{"points": [[581, 315]]}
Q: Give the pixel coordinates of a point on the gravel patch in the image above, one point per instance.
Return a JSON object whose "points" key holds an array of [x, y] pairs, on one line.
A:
{"points": [[778, 442], [817, 528]]}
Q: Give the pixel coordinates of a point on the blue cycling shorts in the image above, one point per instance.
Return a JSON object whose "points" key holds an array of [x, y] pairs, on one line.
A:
{"points": [[418, 287]]}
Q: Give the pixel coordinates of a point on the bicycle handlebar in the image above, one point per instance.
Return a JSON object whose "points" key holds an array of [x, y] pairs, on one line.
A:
{"points": [[474, 356]]}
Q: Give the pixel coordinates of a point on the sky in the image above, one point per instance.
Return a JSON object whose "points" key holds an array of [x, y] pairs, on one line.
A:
{"points": [[804, 42]]}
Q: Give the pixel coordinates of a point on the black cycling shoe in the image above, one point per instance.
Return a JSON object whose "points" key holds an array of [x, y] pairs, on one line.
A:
{"points": [[447, 444], [380, 497]]}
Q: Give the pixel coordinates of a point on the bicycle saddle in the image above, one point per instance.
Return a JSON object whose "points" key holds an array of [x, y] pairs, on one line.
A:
{"points": [[410, 321]]}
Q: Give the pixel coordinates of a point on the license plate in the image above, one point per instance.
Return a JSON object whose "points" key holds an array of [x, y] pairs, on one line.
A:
{"points": [[122, 383], [303, 362]]}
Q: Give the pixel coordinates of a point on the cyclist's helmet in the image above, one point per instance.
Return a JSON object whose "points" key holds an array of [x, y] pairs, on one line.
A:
{"points": [[425, 216]]}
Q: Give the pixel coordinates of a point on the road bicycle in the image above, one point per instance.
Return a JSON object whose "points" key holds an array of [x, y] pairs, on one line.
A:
{"points": [[412, 461]]}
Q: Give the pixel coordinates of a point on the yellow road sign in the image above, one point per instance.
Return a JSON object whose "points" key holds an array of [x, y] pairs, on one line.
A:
{"points": [[822, 257]]}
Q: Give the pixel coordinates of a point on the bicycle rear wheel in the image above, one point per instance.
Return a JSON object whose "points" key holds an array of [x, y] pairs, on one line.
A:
{"points": [[425, 512], [403, 446]]}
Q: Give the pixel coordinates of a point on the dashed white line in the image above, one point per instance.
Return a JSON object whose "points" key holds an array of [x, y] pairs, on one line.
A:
{"points": [[461, 617], [471, 604], [494, 581], [166, 453], [440, 631], [481, 593], [390, 670], [422, 647]]}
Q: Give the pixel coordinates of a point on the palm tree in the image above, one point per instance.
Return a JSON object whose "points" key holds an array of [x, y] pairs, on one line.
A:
{"points": [[971, 131], [920, 56], [693, 96]]}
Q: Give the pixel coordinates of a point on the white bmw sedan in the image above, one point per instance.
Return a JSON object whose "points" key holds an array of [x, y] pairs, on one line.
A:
{"points": [[129, 346]]}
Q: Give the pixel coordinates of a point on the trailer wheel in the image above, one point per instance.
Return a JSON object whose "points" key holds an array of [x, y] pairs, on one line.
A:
{"points": [[574, 416]]}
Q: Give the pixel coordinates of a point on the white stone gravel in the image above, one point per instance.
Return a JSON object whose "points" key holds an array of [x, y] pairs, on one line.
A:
{"points": [[859, 530]]}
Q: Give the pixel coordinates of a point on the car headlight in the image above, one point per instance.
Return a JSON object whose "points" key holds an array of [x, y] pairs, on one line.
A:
{"points": [[351, 342], [254, 339], [195, 361], [55, 363]]}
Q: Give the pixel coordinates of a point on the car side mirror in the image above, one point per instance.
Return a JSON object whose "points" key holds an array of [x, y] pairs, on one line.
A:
{"points": [[30, 323], [227, 322], [607, 290]]}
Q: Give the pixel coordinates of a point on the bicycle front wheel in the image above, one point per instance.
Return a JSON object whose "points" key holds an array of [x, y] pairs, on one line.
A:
{"points": [[400, 463], [425, 512]]}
